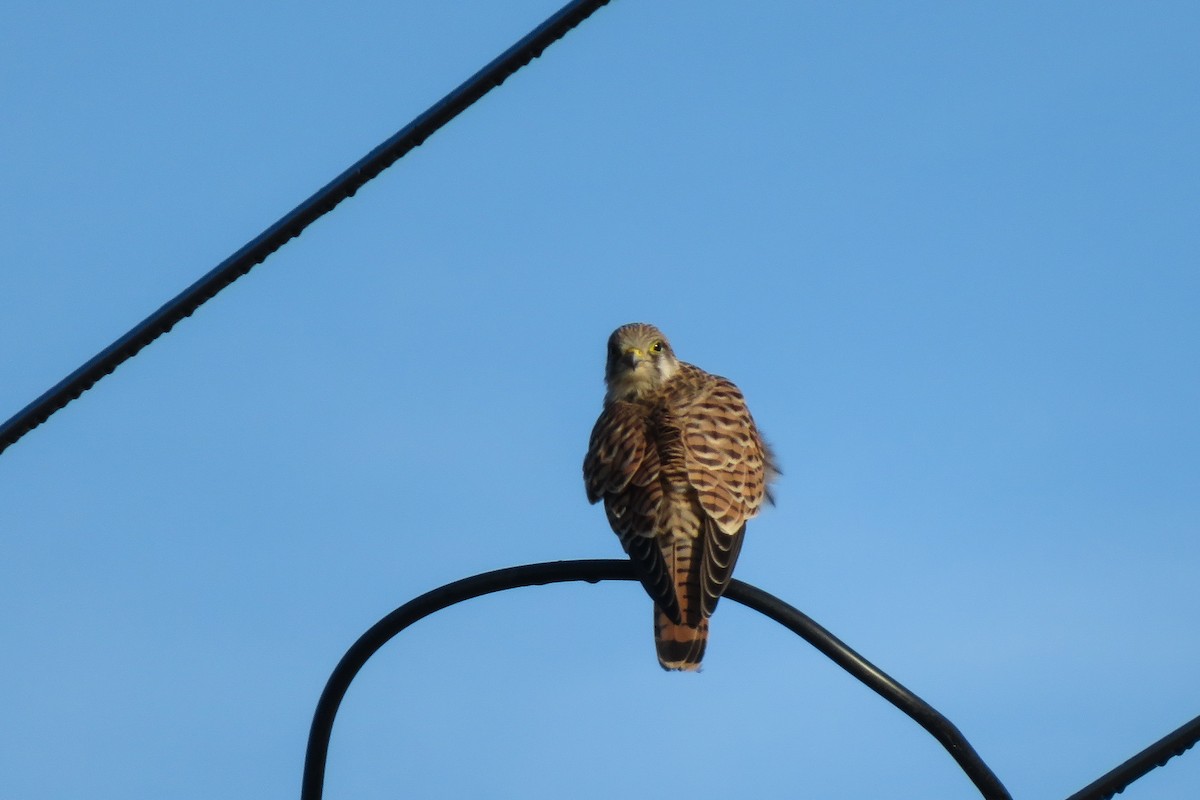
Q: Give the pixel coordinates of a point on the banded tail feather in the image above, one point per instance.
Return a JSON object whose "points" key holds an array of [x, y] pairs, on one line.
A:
{"points": [[680, 647], [680, 643]]}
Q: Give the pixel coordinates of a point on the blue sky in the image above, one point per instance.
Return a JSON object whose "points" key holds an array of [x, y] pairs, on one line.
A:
{"points": [[950, 252]]}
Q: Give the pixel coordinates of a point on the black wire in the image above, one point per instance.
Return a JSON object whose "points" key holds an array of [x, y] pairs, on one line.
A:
{"points": [[323, 201], [299, 218], [877, 680], [1174, 743], [594, 571]]}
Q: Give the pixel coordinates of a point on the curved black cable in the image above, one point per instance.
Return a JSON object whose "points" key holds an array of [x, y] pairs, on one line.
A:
{"points": [[594, 571], [1175, 743], [878, 681], [299, 218]]}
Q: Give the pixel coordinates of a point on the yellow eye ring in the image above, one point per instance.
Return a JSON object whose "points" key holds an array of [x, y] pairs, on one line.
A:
{"points": [[657, 347]]}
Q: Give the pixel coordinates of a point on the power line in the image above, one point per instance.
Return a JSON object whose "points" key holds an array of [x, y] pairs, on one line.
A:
{"points": [[325, 200], [594, 571], [597, 570], [1175, 743], [299, 218]]}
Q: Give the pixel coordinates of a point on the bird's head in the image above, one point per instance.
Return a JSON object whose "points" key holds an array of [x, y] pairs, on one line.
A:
{"points": [[640, 360]]}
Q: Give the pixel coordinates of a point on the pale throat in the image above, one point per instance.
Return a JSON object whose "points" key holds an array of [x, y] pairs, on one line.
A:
{"points": [[636, 384]]}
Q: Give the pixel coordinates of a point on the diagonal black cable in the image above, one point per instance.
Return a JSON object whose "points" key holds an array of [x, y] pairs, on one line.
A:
{"points": [[594, 571], [299, 218], [1158, 754], [878, 681]]}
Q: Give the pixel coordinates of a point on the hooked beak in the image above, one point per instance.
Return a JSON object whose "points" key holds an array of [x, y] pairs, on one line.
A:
{"points": [[633, 357]]}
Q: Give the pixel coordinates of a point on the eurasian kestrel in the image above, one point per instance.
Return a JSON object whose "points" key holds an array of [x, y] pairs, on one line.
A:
{"points": [[680, 465]]}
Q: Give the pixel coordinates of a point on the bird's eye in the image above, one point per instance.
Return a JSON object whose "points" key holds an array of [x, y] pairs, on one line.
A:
{"points": [[657, 347]]}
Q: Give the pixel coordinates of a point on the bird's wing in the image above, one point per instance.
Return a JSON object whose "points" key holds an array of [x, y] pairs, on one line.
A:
{"points": [[615, 451], [727, 465], [622, 468]]}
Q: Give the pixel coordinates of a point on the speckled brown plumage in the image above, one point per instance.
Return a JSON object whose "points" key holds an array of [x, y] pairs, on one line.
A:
{"points": [[680, 465]]}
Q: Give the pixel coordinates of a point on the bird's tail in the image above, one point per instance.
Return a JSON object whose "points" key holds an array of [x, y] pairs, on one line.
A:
{"points": [[679, 646]]}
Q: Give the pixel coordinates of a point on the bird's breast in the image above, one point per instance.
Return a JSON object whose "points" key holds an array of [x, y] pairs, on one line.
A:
{"points": [[679, 512]]}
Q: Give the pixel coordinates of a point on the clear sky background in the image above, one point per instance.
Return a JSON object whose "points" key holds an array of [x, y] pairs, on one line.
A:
{"points": [[950, 252]]}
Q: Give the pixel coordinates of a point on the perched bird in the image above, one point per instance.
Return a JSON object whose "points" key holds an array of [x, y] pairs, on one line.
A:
{"points": [[680, 466]]}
